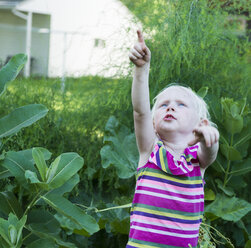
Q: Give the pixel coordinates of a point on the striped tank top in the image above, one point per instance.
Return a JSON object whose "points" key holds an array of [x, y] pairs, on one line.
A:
{"points": [[168, 204]]}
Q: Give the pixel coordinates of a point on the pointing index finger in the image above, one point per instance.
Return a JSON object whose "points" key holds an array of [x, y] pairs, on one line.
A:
{"points": [[140, 37]]}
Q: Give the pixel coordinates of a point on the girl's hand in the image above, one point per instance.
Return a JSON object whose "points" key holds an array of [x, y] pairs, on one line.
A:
{"points": [[140, 53], [205, 134], [208, 136]]}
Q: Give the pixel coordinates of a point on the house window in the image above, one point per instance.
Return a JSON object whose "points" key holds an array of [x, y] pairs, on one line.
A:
{"points": [[99, 43]]}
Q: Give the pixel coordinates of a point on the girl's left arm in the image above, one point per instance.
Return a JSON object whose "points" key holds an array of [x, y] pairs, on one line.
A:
{"points": [[207, 155], [208, 138]]}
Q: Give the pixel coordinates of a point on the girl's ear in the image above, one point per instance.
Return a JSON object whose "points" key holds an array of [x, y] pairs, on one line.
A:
{"points": [[154, 128], [204, 122]]}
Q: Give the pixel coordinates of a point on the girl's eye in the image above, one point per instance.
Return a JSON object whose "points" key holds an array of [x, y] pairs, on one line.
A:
{"points": [[181, 104], [164, 105]]}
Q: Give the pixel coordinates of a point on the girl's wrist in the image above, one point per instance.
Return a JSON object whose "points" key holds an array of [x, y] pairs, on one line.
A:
{"points": [[143, 68], [146, 65], [141, 74]]}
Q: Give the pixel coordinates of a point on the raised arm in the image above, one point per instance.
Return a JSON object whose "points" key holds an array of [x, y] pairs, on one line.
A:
{"points": [[140, 55]]}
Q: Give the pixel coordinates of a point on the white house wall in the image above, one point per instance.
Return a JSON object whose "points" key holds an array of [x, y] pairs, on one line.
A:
{"points": [[75, 25], [86, 37], [40, 44], [13, 37]]}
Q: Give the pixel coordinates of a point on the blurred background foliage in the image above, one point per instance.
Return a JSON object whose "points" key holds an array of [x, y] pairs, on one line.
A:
{"points": [[196, 43]]}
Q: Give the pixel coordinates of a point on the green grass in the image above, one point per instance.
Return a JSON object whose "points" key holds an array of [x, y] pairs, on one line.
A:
{"points": [[76, 118]]}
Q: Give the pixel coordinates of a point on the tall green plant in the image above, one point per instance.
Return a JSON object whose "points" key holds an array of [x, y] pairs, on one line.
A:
{"points": [[195, 43], [25, 215], [229, 175]]}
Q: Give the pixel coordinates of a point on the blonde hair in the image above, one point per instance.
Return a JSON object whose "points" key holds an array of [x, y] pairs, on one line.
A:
{"points": [[199, 103]]}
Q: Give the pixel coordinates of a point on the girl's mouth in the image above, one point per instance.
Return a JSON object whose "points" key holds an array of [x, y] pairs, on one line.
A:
{"points": [[169, 117]]}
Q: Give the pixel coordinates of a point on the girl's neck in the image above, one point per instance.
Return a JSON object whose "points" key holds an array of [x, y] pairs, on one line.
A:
{"points": [[176, 144], [175, 149]]}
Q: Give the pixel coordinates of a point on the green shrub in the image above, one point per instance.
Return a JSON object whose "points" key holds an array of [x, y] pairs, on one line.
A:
{"points": [[34, 211]]}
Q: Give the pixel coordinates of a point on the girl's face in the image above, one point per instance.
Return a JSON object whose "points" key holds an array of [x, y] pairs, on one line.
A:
{"points": [[175, 112]]}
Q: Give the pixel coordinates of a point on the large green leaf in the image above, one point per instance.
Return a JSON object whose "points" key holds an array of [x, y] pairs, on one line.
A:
{"points": [[17, 164], [244, 136], [9, 203], [227, 190], [4, 232], [120, 150], [209, 195], [231, 209], [230, 152], [242, 168], [4, 173], [75, 214], [11, 230], [66, 187], [70, 226], [63, 168], [233, 124], [40, 219], [28, 153], [39, 159], [233, 119], [18, 224], [45, 226], [31, 176], [20, 118], [33, 179], [43, 243], [11, 70]]}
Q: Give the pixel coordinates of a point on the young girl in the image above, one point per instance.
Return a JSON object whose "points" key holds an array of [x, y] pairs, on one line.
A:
{"points": [[176, 143]]}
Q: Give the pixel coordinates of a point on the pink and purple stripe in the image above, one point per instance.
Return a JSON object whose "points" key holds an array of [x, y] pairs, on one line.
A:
{"points": [[169, 201]]}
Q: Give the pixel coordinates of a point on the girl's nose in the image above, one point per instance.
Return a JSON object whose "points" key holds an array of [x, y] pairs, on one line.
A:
{"points": [[170, 108]]}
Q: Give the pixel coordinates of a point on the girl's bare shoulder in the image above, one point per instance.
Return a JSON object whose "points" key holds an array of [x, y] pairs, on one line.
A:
{"points": [[144, 156]]}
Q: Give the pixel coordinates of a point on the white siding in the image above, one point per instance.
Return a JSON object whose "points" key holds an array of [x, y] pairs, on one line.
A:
{"points": [[83, 37], [13, 36]]}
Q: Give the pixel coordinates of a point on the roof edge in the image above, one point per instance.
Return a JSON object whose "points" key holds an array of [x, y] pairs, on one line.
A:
{"points": [[9, 4]]}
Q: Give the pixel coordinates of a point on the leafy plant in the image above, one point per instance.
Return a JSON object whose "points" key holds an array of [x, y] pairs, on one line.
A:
{"points": [[228, 176], [37, 193], [11, 231], [120, 149]]}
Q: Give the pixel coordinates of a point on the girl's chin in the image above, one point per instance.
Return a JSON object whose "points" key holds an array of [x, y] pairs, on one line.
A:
{"points": [[170, 129], [165, 130]]}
